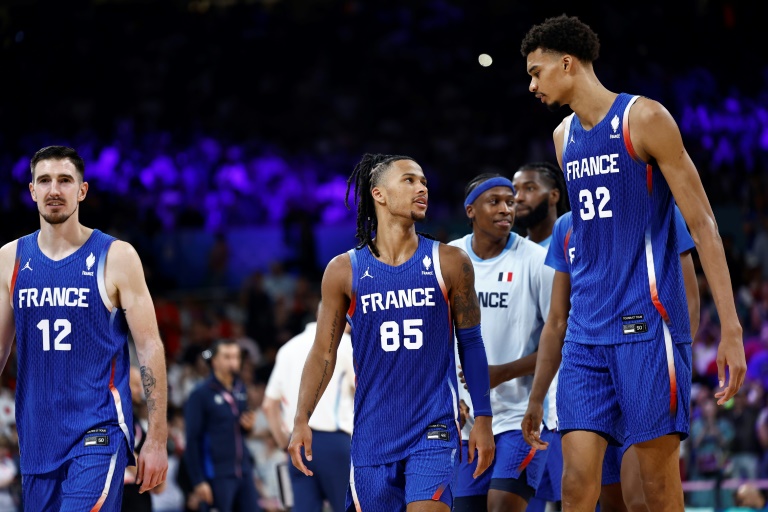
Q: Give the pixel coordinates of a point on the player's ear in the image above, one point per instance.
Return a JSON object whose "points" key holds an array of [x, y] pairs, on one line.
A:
{"points": [[378, 196], [32, 191], [470, 212], [554, 196], [83, 191], [567, 62]]}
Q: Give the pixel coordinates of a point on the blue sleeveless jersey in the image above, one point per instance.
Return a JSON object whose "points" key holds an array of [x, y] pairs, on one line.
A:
{"points": [[627, 278], [402, 341], [73, 395]]}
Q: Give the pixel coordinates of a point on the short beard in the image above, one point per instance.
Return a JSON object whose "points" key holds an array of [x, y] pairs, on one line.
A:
{"points": [[554, 106], [538, 214], [416, 217], [59, 218]]}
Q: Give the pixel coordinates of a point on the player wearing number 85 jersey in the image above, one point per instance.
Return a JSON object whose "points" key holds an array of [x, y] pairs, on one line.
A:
{"points": [[402, 294], [71, 294], [623, 159]]}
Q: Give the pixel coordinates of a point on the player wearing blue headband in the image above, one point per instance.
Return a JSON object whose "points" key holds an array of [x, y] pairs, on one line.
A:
{"points": [[513, 287]]}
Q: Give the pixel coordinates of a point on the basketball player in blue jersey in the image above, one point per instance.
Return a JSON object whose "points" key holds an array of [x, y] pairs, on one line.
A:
{"points": [[403, 294], [540, 198], [513, 287], [71, 295], [616, 464], [625, 376]]}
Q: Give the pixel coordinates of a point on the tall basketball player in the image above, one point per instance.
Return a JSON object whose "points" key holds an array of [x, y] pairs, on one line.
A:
{"points": [[403, 294], [71, 295], [625, 375], [513, 287]]}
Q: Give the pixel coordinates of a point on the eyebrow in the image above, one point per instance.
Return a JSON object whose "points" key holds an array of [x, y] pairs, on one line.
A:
{"points": [[533, 68], [420, 176]]}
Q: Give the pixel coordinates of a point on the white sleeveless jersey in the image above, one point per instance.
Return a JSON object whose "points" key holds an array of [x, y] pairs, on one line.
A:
{"points": [[514, 290]]}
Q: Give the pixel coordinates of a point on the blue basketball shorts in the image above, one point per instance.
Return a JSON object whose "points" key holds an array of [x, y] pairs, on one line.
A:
{"points": [[463, 484], [550, 486], [631, 392], [515, 459], [612, 465], [425, 474], [87, 482]]}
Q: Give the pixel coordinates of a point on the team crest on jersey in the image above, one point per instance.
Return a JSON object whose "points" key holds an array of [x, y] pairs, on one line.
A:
{"points": [[615, 125], [89, 261], [427, 262]]}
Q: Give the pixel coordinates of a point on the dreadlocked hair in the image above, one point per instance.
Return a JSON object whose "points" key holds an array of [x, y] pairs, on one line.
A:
{"points": [[554, 176], [365, 176]]}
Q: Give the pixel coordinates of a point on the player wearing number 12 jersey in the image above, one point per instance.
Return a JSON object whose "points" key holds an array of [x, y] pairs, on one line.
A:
{"points": [[71, 295], [402, 294], [625, 374]]}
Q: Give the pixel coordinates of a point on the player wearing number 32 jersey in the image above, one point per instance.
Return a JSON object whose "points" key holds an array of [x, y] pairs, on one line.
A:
{"points": [[71, 295], [403, 294]]}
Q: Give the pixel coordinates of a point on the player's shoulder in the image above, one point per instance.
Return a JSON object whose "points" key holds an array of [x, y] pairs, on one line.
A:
{"points": [[527, 247], [647, 111], [459, 242], [563, 222], [8, 251], [453, 254]]}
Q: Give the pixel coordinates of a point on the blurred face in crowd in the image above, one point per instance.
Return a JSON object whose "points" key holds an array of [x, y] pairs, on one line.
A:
{"points": [[227, 360], [493, 212], [402, 190], [57, 189]]}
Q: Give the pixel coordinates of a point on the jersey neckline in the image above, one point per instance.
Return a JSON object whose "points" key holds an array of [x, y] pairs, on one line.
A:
{"points": [[605, 119], [474, 257], [67, 259]]}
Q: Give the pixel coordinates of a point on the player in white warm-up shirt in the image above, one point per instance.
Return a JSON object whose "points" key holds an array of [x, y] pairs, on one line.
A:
{"points": [[513, 287]]}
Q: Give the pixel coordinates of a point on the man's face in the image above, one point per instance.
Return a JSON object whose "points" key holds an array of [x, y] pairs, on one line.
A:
{"points": [[548, 77], [402, 189], [493, 212], [533, 197], [227, 359], [57, 189]]}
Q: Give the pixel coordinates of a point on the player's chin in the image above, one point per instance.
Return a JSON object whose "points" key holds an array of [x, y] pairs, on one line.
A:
{"points": [[554, 106], [418, 216]]}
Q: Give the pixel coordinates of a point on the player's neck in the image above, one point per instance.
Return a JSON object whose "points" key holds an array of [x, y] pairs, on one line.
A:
{"points": [[487, 247], [396, 242], [591, 101], [58, 241], [542, 230]]}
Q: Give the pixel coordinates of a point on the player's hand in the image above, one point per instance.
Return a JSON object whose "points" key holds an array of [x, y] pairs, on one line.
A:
{"points": [[463, 412], [730, 354], [481, 438], [204, 493], [152, 466], [532, 424], [247, 420], [301, 437]]}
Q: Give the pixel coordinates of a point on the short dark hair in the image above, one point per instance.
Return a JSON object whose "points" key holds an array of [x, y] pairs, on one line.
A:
{"points": [[58, 153], [563, 34], [209, 354], [554, 176]]}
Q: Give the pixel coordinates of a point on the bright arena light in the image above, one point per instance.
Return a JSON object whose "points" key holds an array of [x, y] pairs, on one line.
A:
{"points": [[485, 60]]}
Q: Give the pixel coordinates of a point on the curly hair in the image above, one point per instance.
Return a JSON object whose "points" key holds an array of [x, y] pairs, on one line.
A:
{"points": [[364, 177], [563, 34]]}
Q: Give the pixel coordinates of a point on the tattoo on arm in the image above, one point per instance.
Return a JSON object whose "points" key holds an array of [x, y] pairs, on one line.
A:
{"points": [[333, 334], [466, 310], [148, 381], [319, 387]]}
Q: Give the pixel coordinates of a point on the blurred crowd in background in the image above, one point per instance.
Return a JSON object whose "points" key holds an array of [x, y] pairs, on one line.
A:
{"points": [[207, 116]]}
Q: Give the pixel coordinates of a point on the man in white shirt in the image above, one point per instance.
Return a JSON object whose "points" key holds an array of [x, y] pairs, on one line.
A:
{"points": [[331, 421], [513, 287]]}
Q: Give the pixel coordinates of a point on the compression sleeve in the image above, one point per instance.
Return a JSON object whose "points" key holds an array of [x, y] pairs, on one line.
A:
{"points": [[474, 363]]}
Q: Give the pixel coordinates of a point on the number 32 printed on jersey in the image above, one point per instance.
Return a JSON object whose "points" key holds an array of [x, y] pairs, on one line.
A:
{"points": [[588, 211], [412, 335]]}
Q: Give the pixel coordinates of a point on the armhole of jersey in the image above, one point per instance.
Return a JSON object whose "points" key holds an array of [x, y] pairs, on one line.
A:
{"points": [[630, 147], [15, 269], [566, 132], [101, 270], [441, 282], [353, 298], [565, 245]]}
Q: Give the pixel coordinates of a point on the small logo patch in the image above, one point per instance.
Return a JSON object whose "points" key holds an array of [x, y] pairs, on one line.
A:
{"points": [[97, 440], [630, 318], [635, 328], [441, 435], [437, 425]]}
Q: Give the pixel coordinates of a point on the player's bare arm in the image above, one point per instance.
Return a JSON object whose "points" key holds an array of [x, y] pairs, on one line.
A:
{"points": [[7, 327], [557, 136], [655, 136], [127, 289], [321, 360], [549, 357], [459, 278]]}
